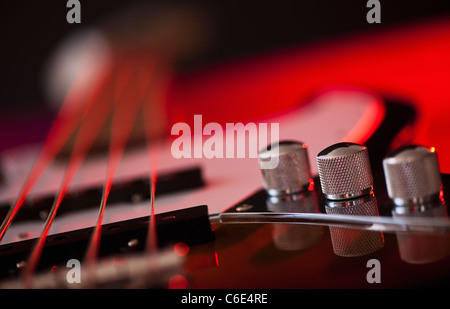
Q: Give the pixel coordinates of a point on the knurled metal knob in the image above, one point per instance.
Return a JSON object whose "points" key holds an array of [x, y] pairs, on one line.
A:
{"points": [[293, 172], [412, 175], [344, 171]]}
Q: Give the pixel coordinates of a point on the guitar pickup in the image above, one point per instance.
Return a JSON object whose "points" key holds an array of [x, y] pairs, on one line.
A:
{"points": [[190, 226], [134, 191]]}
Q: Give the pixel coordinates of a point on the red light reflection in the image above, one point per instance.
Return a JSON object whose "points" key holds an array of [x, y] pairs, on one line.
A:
{"points": [[178, 282]]}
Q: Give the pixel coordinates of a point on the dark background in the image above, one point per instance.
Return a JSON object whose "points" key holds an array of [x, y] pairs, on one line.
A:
{"points": [[30, 31]]}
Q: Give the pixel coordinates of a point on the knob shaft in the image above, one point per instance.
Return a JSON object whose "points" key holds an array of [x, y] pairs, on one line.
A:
{"points": [[344, 171], [412, 175], [293, 173]]}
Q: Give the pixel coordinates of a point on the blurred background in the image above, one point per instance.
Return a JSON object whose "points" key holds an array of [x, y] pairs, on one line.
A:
{"points": [[31, 31], [230, 41]]}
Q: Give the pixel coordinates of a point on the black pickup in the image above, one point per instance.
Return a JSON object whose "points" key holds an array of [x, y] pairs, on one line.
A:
{"points": [[190, 226], [136, 190]]}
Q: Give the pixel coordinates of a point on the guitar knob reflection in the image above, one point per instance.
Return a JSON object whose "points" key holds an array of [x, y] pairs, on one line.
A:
{"points": [[423, 248], [354, 242], [292, 237]]}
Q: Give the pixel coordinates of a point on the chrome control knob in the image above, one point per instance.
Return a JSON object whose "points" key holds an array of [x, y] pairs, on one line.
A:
{"points": [[412, 175], [344, 171], [293, 172]]}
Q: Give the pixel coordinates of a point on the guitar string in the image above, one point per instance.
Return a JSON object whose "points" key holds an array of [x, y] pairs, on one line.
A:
{"points": [[146, 81], [85, 137], [142, 102], [128, 104], [118, 142], [66, 123], [372, 223], [152, 236], [154, 91]]}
